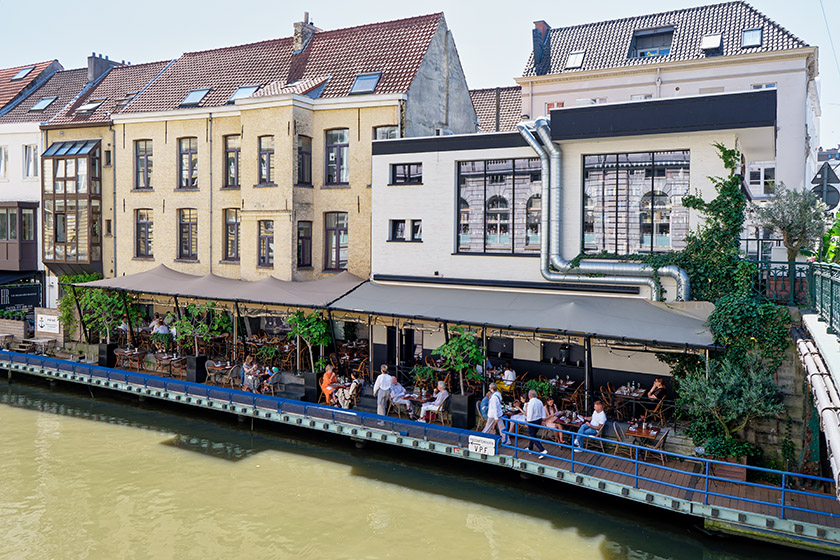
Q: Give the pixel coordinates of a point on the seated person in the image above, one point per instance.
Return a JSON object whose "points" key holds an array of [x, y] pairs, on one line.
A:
{"points": [[345, 396], [508, 378], [517, 416], [155, 322], [328, 379], [124, 324], [592, 424], [441, 394], [161, 329], [551, 415], [398, 396], [657, 392], [249, 368]]}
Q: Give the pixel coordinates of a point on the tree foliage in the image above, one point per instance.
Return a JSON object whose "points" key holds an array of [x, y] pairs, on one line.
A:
{"points": [[797, 215], [314, 330], [462, 352], [101, 311], [193, 325], [67, 302]]}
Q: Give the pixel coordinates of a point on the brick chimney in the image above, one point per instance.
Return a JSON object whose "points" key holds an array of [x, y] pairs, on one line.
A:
{"points": [[540, 37], [304, 30], [98, 64]]}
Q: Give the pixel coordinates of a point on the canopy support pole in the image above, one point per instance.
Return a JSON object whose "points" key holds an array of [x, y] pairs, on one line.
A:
{"points": [[399, 344], [236, 319], [587, 348], [332, 331], [370, 346], [297, 354], [128, 316], [79, 309]]}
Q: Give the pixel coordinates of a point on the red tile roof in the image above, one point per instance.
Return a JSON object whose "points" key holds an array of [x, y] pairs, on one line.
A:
{"points": [[10, 89], [120, 81], [508, 105], [394, 48], [64, 86]]}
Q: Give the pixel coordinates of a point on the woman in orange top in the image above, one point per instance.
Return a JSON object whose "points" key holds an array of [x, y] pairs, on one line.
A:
{"points": [[328, 379]]}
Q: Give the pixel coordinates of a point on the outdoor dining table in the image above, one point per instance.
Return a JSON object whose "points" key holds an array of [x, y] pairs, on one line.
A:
{"points": [[643, 436], [218, 369], [40, 343], [123, 357], [628, 397], [564, 384]]}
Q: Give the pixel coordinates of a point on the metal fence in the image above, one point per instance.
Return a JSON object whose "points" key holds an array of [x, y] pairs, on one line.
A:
{"points": [[786, 283], [825, 292]]}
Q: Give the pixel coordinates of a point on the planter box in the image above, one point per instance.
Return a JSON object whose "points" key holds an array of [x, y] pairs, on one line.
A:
{"points": [[732, 471], [107, 358], [14, 327], [462, 408], [311, 390], [778, 289], [196, 372]]}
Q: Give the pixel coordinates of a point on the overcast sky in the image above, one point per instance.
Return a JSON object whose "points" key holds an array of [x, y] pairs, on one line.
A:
{"points": [[493, 37]]}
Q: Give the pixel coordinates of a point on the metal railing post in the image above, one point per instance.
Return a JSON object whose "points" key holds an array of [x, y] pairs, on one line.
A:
{"points": [[706, 491], [791, 283], [636, 468], [784, 487]]}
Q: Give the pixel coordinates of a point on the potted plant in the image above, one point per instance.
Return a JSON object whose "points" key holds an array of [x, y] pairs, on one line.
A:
{"points": [[423, 376], [101, 312], [462, 354], [313, 330], [544, 389], [191, 327]]}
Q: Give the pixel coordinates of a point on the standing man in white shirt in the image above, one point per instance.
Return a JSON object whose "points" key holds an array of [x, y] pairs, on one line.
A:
{"points": [[592, 424], [534, 415], [494, 414], [382, 390]]}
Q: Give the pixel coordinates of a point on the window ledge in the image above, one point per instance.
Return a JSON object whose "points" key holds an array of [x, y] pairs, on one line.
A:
{"points": [[305, 268], [194, 261], [264, 185], [186, 189], [230, 188], [143, 258], [150, 189], [266, 266], [337, 186], [404, 184], [405, 241], [304, 185], [229, 261], [479, 254], [334, 270]]}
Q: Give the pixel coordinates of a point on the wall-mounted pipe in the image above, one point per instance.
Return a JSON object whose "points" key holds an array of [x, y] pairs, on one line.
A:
{"points": [[552, 265]]}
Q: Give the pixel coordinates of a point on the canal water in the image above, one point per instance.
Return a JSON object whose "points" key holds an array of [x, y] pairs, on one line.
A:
{"points": [[93, 476]]}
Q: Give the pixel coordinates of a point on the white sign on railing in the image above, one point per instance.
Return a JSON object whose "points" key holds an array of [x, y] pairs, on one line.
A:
{"points": [[482, 445], [46, 323]]}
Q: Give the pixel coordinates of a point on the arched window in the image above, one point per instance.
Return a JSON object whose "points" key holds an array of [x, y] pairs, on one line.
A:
{"points": [[497, 222], [533, 216], [655, 221], [463, 222]]}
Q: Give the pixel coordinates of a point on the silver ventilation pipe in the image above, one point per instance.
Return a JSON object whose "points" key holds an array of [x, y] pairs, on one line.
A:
{"points": [[552, 265]]}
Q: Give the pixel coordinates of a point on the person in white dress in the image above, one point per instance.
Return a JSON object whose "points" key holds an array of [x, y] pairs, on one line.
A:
{"points": [[382, 390]]}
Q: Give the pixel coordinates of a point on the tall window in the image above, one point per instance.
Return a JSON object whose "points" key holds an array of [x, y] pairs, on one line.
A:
{"points": [[265, 241], [762, 178], [231, 234], [338, 145], [335, 241], [143, 164], [232, 148], [188, 163], [498, 206], [304, 244], [266, 169], [4, 162], [27, 224], [8, 224], [633, 202], [188, 233], [30, 161], [143, 232], [304, 162]]}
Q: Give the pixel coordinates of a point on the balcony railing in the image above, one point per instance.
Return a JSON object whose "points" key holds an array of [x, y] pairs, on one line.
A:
{"points": [[826, 293], [786, 283]]}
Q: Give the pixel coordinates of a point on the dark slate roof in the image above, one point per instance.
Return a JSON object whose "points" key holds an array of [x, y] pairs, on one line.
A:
{"points": [[607, 43], [508, 106], [10, 89], [64, 86], [114, 86], [394, 48]]}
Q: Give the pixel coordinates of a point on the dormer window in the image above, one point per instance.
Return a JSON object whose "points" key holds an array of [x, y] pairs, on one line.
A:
{"points": [[90, 106], [365, 83], [751, 38], [126, 99], [711, 42], [23, 73], [243, 91], [652, 42], [194, 97], [43, 103], [575, 60]]}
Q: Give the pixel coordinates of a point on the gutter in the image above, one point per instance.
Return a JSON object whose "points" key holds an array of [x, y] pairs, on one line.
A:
{"points": [[552, 265]]}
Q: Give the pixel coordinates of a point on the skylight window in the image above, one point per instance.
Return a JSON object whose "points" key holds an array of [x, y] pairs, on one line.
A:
{"points": [[43, 103], [126, 99], [194, 97], [365, 83], [90, 106], [751, 38], [243, 91], [23, 73], [652, 42], [711, 41], [575, 59]]}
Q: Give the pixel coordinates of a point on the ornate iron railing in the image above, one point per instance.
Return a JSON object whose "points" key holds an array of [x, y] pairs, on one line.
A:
{"points": [[825, 294], [786, 283]]}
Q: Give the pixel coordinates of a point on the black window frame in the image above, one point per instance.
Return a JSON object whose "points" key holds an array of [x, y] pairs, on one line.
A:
{"points": [[143, 233], [265, 154], [334, 232], [304, 244], [188, 231], [143, 175], [192, 163], [265, 243], [232, 228], [337, 148], [304, 160], [406, 174], [232, 152], [655, 49]]}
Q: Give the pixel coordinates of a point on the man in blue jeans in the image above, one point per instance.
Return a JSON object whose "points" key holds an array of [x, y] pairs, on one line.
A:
{"points": [[592, 424]]}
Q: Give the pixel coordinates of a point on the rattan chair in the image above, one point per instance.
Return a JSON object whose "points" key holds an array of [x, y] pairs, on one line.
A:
{"points": [[621, 444], [657, 448]]}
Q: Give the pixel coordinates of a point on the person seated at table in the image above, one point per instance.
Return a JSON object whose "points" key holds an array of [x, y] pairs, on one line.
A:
{"points": [[250, 367], [508, 378], [161, 329], [591, 424], [345, 396], [155, 322], [657, 392], [328, 379], [124, 324], [441, 394], [398, 396], [551, 416]]}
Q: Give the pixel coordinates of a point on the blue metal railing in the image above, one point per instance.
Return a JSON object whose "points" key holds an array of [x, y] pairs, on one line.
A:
{"points": [[707, 473], [825, 288], [458, 437]]}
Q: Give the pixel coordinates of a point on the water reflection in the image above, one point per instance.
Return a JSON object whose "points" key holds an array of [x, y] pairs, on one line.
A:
{"points": [[278, 487]]}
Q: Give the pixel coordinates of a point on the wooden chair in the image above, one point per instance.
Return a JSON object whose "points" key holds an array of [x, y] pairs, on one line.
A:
{"points": [[606, 396], [570, 402], [232, 377], [430, 362], [395, 407], [480, 419], [658, 447], [595, 442], [442, 416], [656, 415], [362, 369], [272, 384], [137, 361], [620, 445], [179, 368]]}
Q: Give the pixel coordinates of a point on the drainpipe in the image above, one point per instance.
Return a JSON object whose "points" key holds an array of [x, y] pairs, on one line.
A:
{"points": [[210, 152], [605, 272], [113, 195]]}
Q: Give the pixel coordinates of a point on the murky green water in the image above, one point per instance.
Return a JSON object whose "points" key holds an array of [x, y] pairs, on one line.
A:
{"points": [[106, 479]]}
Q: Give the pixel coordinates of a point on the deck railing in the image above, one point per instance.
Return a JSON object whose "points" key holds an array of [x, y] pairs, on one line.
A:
{"points": [[825, 293], [230, 399], [786, 283]]}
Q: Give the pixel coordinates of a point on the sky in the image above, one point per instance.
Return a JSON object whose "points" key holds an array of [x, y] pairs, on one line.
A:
{"points": [[493, 37]]}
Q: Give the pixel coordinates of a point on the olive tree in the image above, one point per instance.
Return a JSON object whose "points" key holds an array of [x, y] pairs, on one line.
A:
{"points": [[797, 215]]}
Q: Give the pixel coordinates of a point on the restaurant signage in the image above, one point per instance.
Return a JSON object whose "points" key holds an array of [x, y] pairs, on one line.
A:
{"points": [[46, 323], [24, 296], [482, 445]]}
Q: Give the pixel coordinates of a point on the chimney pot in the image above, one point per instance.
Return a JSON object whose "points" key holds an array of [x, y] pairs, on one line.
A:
{"points": [[304, 30], [305, 17]]}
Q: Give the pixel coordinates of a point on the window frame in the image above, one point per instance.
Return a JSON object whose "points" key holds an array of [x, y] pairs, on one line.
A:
{"points": [[265, 244], [304, 161], [4, 162], [188, 225], [575, 60], [389, 127], [412, 174], [143, 248], [340, 163], [30, 161], [654, 50], [232, 225], [147, 169], [192, 163], [234, 152], [745, 45], [396, 230], [334, 232], [265, 167], [304, 246]]}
